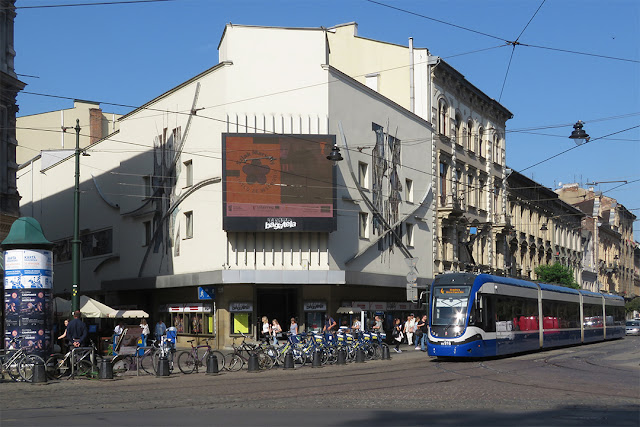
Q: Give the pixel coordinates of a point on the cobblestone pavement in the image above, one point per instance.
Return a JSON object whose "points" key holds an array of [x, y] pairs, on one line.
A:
{"points": [[597, 384]]}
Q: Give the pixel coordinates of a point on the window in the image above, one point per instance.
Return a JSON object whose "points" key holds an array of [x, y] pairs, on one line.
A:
{"points": [[188, 225], [459, 184], [363, 225], [470, 190], [147, 191], [469, 135], [363, 175], [408, 190], [188, 173], [371, 80], [458, 130], [96, 243], [481, 200], [146, 238], [496, 197], [497, 155], [442, 117], [443, 183], [193, 323], [410, 235], [480, 142]]}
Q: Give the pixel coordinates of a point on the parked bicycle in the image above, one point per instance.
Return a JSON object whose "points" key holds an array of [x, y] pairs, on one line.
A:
{"points": [[191, 360], [17, 362], [76, 362], [241, 353]]}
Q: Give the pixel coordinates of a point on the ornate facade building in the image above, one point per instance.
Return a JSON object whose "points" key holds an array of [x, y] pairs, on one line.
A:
{"points": [[612, 227], [10, 85]]}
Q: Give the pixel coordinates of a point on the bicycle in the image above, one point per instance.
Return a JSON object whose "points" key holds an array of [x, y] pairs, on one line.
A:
{"points": [[17, 362], [77, 361], [236, 360], [191, 360]]}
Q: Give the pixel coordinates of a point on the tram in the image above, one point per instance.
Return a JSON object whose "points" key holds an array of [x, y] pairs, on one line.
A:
{"points": [[480, 315]]}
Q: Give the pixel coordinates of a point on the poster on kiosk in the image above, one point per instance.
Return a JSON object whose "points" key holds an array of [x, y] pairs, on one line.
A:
{"points": [[28, 283]]}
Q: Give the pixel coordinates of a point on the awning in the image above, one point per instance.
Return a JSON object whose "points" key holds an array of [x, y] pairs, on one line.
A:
{"points": [[131, 314], [349, 310]]}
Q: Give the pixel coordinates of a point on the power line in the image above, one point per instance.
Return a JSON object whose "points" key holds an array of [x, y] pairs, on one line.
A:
{"points": [[106, 3]]}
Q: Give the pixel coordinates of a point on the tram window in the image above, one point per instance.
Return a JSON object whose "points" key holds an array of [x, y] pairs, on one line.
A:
{"points": [[592, 315], [614, 315], [517, 313], [560, 314], [483, 313]]}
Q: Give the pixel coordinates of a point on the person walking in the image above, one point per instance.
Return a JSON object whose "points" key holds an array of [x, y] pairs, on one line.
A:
{"points": [[160, 330], [275, 330], [419, 331], [293, 329], [397, 334], [77, 331], [266, 328], [145, 332], [410, 328], [425, 332]]}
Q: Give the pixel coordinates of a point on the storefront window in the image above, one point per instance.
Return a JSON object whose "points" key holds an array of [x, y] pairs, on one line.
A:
{"points": [[241, 318], [193, 319]]}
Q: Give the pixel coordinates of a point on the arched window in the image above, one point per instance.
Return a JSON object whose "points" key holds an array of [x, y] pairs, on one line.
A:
{"points": [[458, 135], [442, 117], [497, 154], [480, 142], [469, 136]]}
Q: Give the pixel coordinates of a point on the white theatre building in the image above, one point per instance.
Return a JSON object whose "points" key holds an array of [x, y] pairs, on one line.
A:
{"points": [[213, 204]]}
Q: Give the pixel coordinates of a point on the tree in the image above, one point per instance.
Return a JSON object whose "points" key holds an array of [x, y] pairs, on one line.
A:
{"points": [[556, 274], [633, 305]]}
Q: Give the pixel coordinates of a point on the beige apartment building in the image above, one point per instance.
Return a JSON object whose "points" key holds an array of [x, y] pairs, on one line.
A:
{"points": [[612, 227], [55, 130]]}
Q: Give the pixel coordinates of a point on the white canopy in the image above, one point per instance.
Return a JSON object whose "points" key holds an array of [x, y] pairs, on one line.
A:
{"points": [[95, 309]]}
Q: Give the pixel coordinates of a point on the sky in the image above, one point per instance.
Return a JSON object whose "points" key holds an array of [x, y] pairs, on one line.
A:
{"points": [[574, 60]]}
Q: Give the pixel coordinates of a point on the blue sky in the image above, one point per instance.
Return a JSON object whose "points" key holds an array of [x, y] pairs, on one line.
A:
{"points": [[129, 53]]}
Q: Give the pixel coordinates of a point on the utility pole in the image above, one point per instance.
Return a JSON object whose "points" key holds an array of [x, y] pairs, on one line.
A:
{"points": [[75, 243]]}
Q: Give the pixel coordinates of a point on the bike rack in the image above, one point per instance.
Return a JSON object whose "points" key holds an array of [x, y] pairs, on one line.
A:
{"points": [[138, 357], [92, 358]]}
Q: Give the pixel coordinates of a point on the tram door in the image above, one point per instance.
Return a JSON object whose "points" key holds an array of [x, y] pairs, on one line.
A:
{"points": [[278, 304]]}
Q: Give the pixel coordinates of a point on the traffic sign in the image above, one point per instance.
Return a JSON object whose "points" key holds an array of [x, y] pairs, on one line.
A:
{"points": [[412, 277], [206, 292]]}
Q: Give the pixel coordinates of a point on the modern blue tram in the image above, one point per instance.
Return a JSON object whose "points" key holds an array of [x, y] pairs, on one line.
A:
{"points": [[480, 315]]}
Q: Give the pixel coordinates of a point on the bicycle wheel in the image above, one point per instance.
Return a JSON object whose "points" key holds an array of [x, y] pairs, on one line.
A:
{"points": [[201, 359], [220, 358], [233, 362], [186, 362], [146, 363], [121, 364], [57, 367], [26, 366], [265, 362], [12, 370], [83, 368]]}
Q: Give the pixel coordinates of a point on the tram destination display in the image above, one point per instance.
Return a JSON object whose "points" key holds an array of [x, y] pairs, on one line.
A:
{"points": [[278, 183]]}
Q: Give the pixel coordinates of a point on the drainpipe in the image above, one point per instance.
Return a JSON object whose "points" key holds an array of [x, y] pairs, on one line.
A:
{"points": [[412, 88]]}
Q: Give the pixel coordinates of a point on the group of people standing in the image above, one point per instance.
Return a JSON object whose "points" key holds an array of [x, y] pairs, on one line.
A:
{"points": [[271, 331], [413, 331]]}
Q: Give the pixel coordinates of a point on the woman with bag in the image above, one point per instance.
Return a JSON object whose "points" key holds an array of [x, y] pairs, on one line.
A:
{"points": [[275, 330], [397, 334]]}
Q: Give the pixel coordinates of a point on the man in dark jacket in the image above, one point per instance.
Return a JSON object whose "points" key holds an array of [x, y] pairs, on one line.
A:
{"points": [[77, 331]]}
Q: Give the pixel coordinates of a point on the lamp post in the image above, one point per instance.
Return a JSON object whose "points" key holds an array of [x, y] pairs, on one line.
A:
{"points": [[578, 135], [75, 243]]}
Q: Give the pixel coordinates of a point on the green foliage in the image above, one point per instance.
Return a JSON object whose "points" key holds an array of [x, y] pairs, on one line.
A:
{"points": [[556, 274], [633, 305]]}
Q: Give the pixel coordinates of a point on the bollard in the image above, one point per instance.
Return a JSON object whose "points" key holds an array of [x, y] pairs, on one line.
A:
{"points": [[163, 367], [39, 373], [360, 356], [288, 361], [253, 363], [317, 360], [342, 357], [386, 355], [212, 364], [106, 370]]}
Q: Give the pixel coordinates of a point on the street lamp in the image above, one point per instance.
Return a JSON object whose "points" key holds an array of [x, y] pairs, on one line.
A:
{"points": [[578, 135], [75, 243], [335, 155]]}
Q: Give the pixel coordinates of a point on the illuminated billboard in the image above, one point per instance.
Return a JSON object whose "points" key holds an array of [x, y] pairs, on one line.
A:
{"points": [[278, 183]]}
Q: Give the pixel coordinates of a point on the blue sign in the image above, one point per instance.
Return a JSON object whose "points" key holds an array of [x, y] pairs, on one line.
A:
{"points": [[206, 292]]}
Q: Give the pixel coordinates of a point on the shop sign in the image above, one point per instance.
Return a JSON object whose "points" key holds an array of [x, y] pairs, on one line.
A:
{"points": [[315, 306], [241, 307], [362, 305], [378, 306], [175, 309], [197, 308]]}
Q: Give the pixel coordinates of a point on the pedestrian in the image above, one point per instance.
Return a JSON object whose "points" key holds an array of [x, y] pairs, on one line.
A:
{"points": [[397, 334], [77, 331], [329, 324], [160, 330], [145, 332], [356, 325], [266, 328], [410, 328], [293, 329], [418, 332], [377, 326], [425, 332], [63, 344], [117, 333], [275, 330]]}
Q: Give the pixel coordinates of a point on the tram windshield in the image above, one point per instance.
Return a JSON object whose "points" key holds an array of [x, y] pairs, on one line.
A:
{"points": [[450, 305]]}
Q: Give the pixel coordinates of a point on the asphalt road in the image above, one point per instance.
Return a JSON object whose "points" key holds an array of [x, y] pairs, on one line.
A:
{"points": [[591, 385]]}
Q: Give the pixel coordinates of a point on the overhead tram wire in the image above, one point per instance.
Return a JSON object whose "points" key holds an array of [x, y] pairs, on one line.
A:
{"points": [[105, 3]]}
